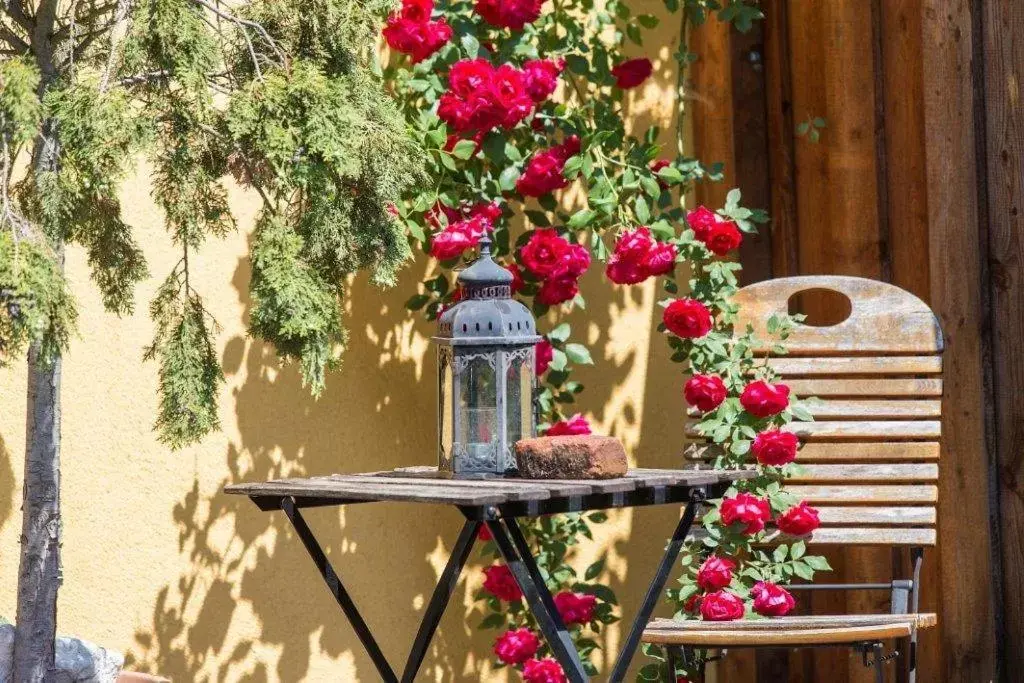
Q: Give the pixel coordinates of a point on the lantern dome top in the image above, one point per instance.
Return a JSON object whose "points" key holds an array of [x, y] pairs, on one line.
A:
{"points": [[487, 315]]}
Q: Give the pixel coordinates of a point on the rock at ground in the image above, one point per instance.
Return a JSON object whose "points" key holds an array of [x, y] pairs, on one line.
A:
{"points": [[571, 457], [77, 661]]}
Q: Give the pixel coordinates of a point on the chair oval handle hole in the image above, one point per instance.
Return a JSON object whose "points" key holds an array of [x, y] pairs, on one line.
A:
{"points": [[821, 307]]}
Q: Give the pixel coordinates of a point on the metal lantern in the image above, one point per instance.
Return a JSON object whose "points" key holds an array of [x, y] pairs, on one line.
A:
{"points": [[486, 373]]}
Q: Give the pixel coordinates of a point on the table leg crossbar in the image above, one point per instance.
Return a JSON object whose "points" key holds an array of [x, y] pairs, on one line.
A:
{"points": [[516, 552]]}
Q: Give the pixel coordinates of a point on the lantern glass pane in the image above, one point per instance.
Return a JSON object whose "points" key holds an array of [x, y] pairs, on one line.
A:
{"points": [[478, 408], [519, 404], [446, 427]]}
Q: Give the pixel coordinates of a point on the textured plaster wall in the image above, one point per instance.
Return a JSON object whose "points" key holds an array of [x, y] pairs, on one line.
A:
{"points": [[202, 586]]}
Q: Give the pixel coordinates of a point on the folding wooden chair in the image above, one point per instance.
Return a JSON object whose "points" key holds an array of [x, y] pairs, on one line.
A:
{"points": [[870, 461]]}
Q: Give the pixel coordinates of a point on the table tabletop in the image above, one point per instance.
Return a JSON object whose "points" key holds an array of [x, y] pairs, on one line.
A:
{"points": [[426, 485]]}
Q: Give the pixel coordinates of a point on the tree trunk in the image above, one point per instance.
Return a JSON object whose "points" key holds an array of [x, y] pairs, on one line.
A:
{"points": [[39, 575]]}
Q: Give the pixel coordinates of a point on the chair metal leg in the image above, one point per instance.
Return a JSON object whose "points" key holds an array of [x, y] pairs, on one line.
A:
{"points": [[439, 600], [879, 662]]}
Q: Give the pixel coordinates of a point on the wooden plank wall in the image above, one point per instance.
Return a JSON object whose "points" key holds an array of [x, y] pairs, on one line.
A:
{"points": [[917, 180]]}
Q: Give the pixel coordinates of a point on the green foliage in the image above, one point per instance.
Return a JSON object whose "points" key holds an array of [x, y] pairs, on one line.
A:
{"points": [[19, 106], [35, 305], [190, 374], [294, 308]]}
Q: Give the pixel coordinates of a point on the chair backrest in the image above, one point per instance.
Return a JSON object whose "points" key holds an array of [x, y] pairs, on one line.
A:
{"points": [[870, 458]]}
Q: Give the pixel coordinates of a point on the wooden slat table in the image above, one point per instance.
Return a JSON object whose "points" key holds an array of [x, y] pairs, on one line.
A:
{"points": [[497, 504]]}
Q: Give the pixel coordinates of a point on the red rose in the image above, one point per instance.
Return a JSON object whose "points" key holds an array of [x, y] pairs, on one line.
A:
{"points": [[515, 647], [542, 77], [634, 244], [545, 670], [775, 447], [574, 426], [715, 573], [513, 14], [701, 220], [557, 291], [798, 520], [656, 166], [762, 399], [543, 252], [480, 97], [410, 31], [747, 509], [543, 173], [572, 263], [692, 603], [660, 259], [624, 271], [687, 318], [484, 533], [451, 242], [575, 608], [544, 354], [721, 606], [771, 600], [509, 87], [705, 392], [501, 584], [632, 72], [723, 237]]}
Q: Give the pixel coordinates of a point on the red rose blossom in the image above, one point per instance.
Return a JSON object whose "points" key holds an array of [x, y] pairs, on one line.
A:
{"points": [[687, 318], [501, 584], [715, 573], [515, 647], [762, 399], [543, 173], [574, 426], [575, 608], [513, 14], [410, 31], [721, 606], [517, 277], [632, 72], [542, 77], [775, 447], [705, 392], [451, 242], [771, 600], [624, 271], [723, 237], [481, 97], [545, 670], [543, 252], [660, 259], [557, 291], [701, 221], [656, 166], [692, 604], [798, 520], [484, 533], [747, 509], [544, 354]]}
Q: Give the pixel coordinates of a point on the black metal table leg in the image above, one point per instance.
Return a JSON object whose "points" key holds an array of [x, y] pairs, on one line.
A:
{"points": [[439, 600], [337, 589], [657, 585], [539, 599]]}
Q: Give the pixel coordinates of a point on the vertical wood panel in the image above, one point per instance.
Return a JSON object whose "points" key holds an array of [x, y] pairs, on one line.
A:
{"points": [[967, 619], [1003, 30], [712, 107]]}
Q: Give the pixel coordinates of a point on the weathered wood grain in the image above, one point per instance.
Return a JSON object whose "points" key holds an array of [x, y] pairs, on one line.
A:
{"points": [[835, 452], [872, 472], [862, 536], [865, 494], [1003, 30], [877, 388], [854, 365], [832, 515]]}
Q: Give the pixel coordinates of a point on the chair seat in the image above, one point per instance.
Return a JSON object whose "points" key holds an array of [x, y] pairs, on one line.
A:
{"points": [[781, 631]]}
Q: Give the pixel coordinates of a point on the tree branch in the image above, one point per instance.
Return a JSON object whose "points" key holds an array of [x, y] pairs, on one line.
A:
{"points": [[17, 13], [16, 42], [247, 23]]}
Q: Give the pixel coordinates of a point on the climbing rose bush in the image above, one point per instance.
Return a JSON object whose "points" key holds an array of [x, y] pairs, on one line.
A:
{"points": [[520, 107]]}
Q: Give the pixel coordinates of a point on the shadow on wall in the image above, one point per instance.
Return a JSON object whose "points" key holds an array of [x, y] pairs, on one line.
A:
{"points": [[6, 483]]}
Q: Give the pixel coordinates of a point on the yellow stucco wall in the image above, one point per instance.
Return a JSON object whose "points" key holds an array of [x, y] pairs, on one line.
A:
{"points": [[202, 586]]}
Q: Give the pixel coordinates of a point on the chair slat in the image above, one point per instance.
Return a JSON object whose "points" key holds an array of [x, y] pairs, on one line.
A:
{"points": [[866, 409], [875, 388], [888, 515], [880, 430], [900, 451], [872, 472], [861, 536], [853, 365], [913, 493]]}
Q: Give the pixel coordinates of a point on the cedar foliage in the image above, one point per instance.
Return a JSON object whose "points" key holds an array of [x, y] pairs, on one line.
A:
{"points": [[281, 94]]}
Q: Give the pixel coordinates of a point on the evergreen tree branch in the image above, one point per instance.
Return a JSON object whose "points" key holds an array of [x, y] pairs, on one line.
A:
{"points": [[16, 12]]}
